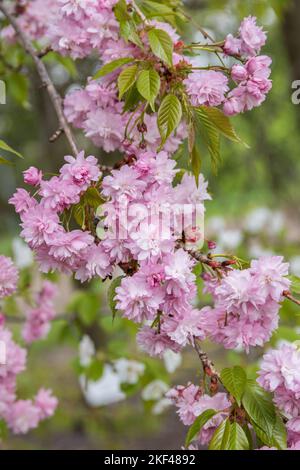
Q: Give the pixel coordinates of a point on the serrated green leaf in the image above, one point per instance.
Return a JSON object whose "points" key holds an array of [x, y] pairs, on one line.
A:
{"points": [[5, 146], [155, 9], [161, 45], [210, 135], [259, 406], [237, 438], [169, 116], [234, 380], [196, 163], [148, 85], [112, 293], [198, 424], [112, 66], [78, 214], [93, 198], [127, 79], [222, 123], [131, 99], [279, 435], [219, 440], [129, 33]]}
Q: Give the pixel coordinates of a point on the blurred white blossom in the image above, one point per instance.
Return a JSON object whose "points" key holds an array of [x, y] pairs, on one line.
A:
{"points": [[104, 391], [230, 239], [172, 360], [23, 255], [161, 406], [155, 390], [86, 351], [129, 371]]}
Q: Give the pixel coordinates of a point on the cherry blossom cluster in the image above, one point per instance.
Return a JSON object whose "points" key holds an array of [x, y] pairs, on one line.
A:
{"points": [[246, 303], [78, 28], [74, 28], [211, 88], [20, 415], [56, 248], [279, 374], [38, 319], [139, 226]]}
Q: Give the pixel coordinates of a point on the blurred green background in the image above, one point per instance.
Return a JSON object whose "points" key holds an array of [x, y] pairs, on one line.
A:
{"points": [[255, 209]]}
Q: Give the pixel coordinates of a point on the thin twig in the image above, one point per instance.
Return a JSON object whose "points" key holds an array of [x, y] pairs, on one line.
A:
{"points": [[289, 296], [44, 75], [208, 365]]}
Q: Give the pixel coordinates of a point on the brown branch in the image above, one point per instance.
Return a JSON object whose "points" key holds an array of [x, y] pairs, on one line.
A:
{"points": [[208, 366], [44, 75], [289, 296]]}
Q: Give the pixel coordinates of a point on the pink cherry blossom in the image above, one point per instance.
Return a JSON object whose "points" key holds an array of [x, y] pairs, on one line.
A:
{"points": [[206, 88], [33, 176], [8, 277]]}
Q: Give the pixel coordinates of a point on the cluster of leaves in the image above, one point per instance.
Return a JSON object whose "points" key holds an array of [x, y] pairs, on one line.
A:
{"points": [[154, 85], [252, 414]]}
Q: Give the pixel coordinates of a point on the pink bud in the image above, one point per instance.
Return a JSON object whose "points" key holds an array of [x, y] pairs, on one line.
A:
{"points": [[239, 73], [211, 245], [32, 176], [232, 45]]}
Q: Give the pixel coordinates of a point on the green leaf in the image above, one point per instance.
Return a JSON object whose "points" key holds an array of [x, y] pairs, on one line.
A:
{"points": [[112, 293], [155, 9], [196, 163], [148, 85], [221, 122], [121, 12], [128, 32], [169, 116], [234, 380], [78, 214], [112, 66], [279, 435], [220, 438], [237, 438], [161, 45], [126, 79], [131, 99], [210, 135], [259, 406], [5, 146], [93, 198], [198, 424]]}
